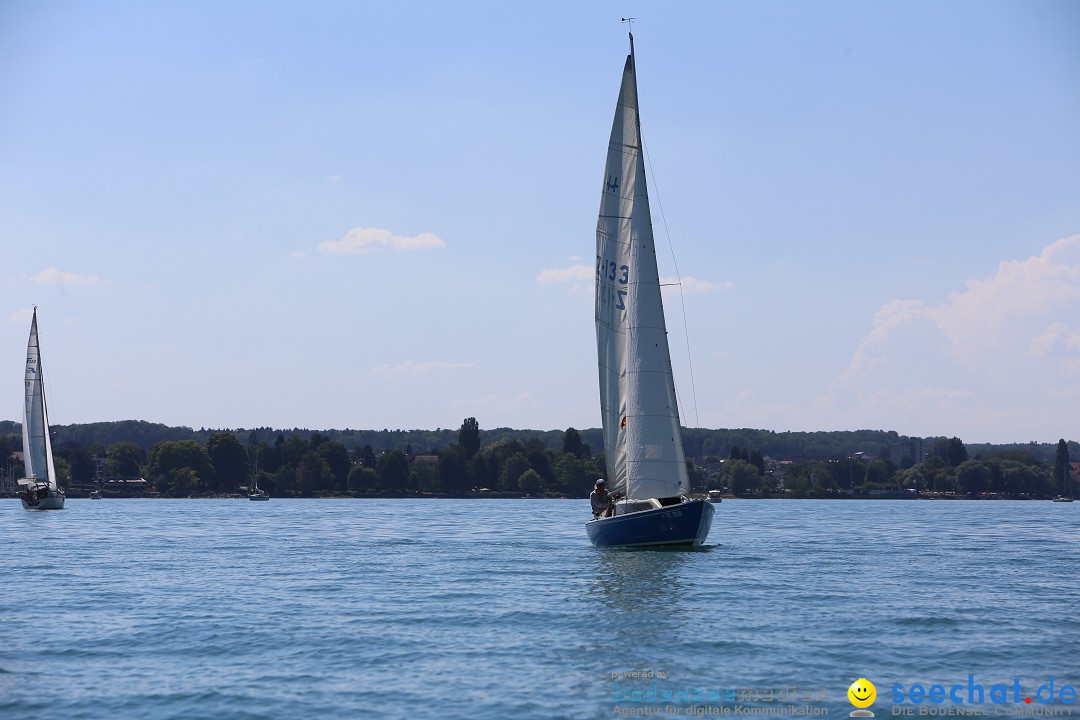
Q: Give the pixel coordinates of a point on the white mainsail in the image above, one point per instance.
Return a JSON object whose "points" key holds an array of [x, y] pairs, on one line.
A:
{"points": [[642, 439], [37, 446]]}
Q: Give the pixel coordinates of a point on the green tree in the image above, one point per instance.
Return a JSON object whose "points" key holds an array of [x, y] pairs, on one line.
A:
{"points": [[363, 479], [230, 461], [424, 476], [182, 482], [757, 460], [337, 457], [957, 452], [469, 436], [799, 485], [972, 477], [487, 465], [81, 460], [943, 480], [454, 473], [743, 476], [1061, 467], [513, 469], [8, 445], [126, 459], [285, 482], [877, 473], [63, 472], [279, 450], [182, 467], [541, 462], [575, 476], [572, 442], [293, 449], [484, 468], [366, 457], [394, 471], [824, 481], [313, 474], [913, 477], [529, 481], [951, 451]]}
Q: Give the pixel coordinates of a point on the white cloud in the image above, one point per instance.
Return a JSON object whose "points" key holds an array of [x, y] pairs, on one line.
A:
{"points": [[1000, 357], [21, 317], [579, 277], [994, 313], [572, 274], [60, 277], [333, 179], [298, 255], [365, 240], [414, 368], [887, 320], [1044, 344]]}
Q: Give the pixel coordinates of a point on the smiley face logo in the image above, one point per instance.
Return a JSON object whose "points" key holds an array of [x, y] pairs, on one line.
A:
{"points": [[862, 693]]}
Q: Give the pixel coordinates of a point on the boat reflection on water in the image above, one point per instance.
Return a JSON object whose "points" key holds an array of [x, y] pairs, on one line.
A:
{"points": [[642, 588]]}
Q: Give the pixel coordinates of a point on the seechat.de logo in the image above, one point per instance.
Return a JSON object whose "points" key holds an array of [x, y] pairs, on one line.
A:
{"points": [[862, 694]]}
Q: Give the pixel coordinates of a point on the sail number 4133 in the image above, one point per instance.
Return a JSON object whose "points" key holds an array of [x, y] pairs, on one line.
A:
{"points": [[608, 271]]}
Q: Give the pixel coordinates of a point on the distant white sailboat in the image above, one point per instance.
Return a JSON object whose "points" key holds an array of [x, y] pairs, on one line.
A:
{"points": [[642, 435], [38, 490], [255, 492]]}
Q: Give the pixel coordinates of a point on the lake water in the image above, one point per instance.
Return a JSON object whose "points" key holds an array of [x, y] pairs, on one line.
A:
{"points": [[500, 609]]}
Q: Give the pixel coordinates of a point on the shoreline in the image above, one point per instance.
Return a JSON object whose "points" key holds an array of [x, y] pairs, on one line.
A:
{"points": [[518, 496]]}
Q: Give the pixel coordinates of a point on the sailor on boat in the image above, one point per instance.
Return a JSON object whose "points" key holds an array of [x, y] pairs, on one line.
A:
{"points": [[601, 501]]}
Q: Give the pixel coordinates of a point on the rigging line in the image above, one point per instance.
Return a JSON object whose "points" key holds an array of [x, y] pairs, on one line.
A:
{"points": [[678, 275]]}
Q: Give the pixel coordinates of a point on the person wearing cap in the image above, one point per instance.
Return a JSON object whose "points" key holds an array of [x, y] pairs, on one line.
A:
{"points": [[601, 500]]}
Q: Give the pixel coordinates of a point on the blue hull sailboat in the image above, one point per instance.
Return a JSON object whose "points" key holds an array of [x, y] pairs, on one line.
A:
{"points": [[642, 437], [685, 523]]}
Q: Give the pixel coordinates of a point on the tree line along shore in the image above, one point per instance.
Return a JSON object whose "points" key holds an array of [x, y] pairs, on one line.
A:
{"points": [[140, 459]]}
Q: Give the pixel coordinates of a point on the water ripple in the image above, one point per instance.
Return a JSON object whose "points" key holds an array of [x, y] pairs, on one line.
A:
{"points": [[494, 609]]}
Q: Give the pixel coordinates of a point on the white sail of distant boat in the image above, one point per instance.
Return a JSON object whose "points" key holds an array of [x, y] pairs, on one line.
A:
{"points": [[255, 492], [642, 437], [39, 489]]}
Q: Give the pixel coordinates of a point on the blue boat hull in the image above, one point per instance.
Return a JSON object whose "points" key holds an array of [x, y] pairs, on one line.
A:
{"points": [[687, 523]]}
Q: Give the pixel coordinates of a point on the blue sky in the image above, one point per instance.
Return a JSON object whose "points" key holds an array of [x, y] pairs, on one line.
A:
{"points": [[348, 214]]}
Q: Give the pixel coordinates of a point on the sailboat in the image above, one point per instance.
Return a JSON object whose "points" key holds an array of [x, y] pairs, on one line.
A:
{"points": [[642, 437], [38, 490], [254, 492]]}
